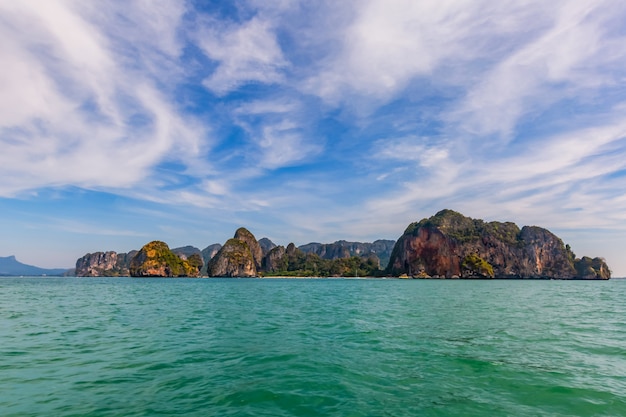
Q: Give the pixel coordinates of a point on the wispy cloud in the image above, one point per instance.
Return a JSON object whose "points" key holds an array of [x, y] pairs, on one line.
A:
{"points": [[564, 61], [245, 53], [80, 109]]}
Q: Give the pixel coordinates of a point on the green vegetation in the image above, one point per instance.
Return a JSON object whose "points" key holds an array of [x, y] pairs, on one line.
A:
{"points": [[299, 264], [454, 224], [507, 232], [465, 229], [237, 251], [477, 266], [195, 261], [156, 259]]}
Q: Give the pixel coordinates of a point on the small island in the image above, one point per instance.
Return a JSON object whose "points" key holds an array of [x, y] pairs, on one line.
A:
{"points": [[446, 245]]}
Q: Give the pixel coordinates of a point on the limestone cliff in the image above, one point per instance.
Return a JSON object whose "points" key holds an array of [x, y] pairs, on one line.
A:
{"points": [[275, 260], [248, 238], [596, 268], [104, 264], [234, 259], [156, 259], [452, 245], [207, 254]]}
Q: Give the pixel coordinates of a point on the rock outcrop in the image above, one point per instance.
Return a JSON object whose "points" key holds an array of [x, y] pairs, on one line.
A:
{"points": [[210, 251], [451, 245], [234, 259], [156, 259], [248, 238], [104, 264], [596, 268], [275, 260]]}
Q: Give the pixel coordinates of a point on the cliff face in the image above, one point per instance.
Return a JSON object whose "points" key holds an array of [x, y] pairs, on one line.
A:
{"points": [[596, 268], [207, 254], [234, 259], [452, 245], [156, 259], [244, 235], [104, 264], [275, 260]]}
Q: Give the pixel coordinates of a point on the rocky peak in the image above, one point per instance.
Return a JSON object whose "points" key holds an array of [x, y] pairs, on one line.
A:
{"points": [[185, 252], [291, 249], [234, 259], [275, 260], [266, 245], [246, 236], [155, 259]]}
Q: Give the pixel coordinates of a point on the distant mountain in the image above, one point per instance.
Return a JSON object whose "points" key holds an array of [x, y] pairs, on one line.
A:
{"points": [[342, 249], [207, 254], [9, 266], [266, 245], [187, 251]]}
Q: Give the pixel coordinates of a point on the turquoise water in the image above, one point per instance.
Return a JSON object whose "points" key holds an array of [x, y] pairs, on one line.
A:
{"points": [[220, 347]]}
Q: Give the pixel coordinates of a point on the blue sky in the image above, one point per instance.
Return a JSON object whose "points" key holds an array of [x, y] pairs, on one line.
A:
{"points": [[123, 122]]}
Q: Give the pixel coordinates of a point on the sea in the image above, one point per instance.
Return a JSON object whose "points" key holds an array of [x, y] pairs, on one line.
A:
{"points": [[311, 347]]}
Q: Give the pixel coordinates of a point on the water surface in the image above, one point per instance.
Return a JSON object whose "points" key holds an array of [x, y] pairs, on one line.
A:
{"points": [[304, 347]]}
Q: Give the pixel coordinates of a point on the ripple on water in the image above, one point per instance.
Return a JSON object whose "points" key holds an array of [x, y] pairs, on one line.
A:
{"points": [[118, 347]]}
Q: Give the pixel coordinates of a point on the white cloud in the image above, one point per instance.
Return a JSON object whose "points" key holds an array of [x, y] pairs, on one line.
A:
{"points": [[390, 43], [245, 53], [277, 131], [564, 61], [413, 148], [282, 145], [79, 105], [264, 107], [562, 179]]}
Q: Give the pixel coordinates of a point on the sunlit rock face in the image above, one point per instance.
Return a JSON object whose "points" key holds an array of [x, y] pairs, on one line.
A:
{"points": [[248, 238], [156, 259], [104, 264], [234, 259]]}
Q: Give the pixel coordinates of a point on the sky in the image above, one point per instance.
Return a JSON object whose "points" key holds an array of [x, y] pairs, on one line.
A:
{"points": [[123, 122]]}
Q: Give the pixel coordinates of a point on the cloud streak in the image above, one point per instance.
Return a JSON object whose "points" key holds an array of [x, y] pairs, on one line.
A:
{"points": [[79, 108]]}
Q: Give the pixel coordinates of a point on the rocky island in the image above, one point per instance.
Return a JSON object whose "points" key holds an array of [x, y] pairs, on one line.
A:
{"points": [[450, 245], [446, 245]]}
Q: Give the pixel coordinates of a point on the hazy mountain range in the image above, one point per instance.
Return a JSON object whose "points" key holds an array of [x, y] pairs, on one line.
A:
{"points": [[9, 266]]}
